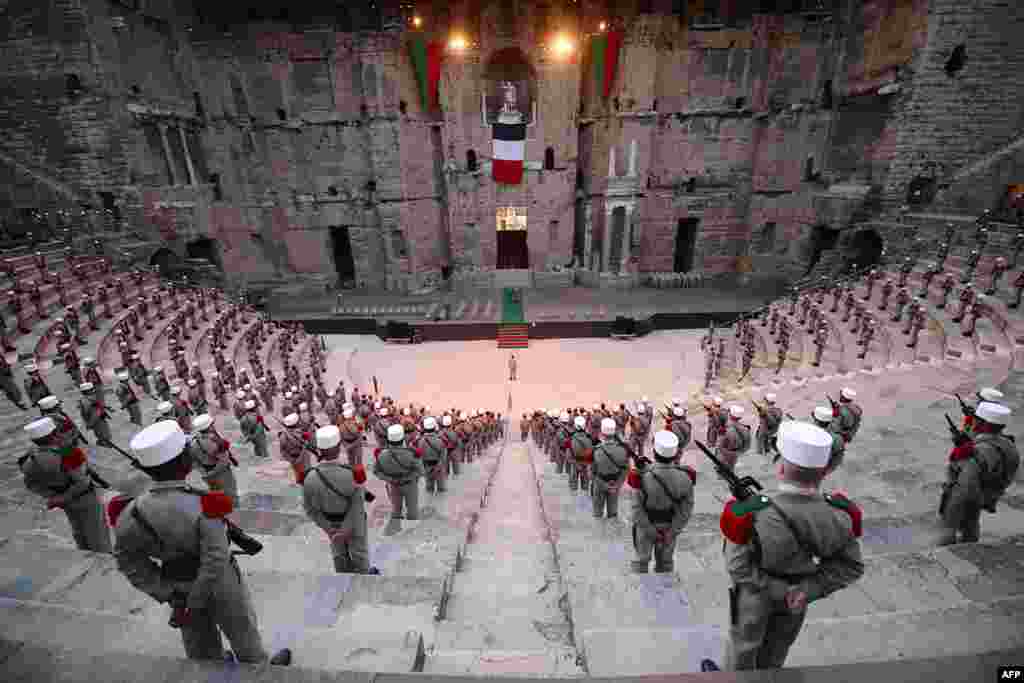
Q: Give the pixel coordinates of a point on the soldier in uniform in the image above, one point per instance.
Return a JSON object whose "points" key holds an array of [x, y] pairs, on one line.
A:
{"points": [[160, 383], [35, 386], [972, 264], [735, 438], [822, 416], [981, 468], [662, 506], [640, 428], [60, 473], [806, 548], [184, 529], [213, 455], [197, 396], [926, 279], [139, 374], [905, 270], [295, 446], [999, 268], [69, 433], [866, 337], [129, 401], [401, 468], [918, 321], [333, 498], [849, 414], [9, 386], [434, 447], [872, 278], [563, 445], [887, 290], [581, 456], [781, 354], [92, 373], [769, 419], [947, 285], [352, 437], [455, 445], [255, 430], [610, 466], [902, 299], [977, 310], [94, 413], [182, 409], [820, 341]]}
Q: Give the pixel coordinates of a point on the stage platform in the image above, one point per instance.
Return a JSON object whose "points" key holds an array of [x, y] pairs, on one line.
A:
{"points": [[570, 312]]}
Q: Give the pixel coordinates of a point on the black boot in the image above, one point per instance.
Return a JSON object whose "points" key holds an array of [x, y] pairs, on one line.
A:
{"points": [[374, 571], [282, 658]]}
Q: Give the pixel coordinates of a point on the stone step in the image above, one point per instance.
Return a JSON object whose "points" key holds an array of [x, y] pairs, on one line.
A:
{"points": [[349, 645], [550, 663], [955, 629]]}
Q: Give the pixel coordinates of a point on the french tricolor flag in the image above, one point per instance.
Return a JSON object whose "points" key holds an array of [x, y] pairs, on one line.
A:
{"points": [[509, 152]]}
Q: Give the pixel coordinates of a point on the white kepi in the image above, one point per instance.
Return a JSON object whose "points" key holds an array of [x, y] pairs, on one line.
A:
{"points": [[158, 443], [804, 444]]}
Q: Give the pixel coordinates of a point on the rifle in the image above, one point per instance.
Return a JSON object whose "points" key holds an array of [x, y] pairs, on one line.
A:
{"points": [[248, 544], [741, 489], [967, 410], [959, 437], [758, 408], [833, 403]]}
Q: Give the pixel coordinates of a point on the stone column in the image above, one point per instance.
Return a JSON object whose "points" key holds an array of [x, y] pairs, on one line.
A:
{"points": [[611, 161], [167, 153], [632, 158], [188, 157], [627, 235]]}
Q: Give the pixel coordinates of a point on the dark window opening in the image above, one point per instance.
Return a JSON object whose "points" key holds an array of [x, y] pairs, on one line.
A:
{"points": [[470, 160], [809, 173], [402, 107], [921, 190], [163, 259], [73, 84], [865, 249], [195, 152], [161, 164], [200, 112], [549, 159], [579, 179], [341, 248], [686, 241], [282, 115], [766, 243], [109, 205], [205, 248], [826, 94], [741, 102], [691, 185], [956, 61], [218, 191], [178, 156], [823, 238]]}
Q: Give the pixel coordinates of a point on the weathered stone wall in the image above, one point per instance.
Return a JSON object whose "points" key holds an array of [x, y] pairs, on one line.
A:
{"points": [[315, 129]]}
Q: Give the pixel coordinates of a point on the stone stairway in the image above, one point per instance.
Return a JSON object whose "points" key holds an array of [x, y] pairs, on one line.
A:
{"points": [[514, 336]]}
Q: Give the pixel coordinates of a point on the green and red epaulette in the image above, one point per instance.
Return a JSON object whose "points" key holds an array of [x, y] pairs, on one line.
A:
{"points": [[737, 519], [838, 500]]}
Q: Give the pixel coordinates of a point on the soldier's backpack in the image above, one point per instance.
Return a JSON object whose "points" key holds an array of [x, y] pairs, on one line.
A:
{"points": [[743, 432], [994, 484], [850, 416], [659, 516]]}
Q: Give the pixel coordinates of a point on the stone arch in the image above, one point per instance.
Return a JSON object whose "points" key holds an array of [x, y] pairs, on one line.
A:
{"points": [[164, 259], [864, 248], [207, 249]]}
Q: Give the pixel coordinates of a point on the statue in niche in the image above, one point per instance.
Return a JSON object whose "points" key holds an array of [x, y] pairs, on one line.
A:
{"points": [[508, 102]]}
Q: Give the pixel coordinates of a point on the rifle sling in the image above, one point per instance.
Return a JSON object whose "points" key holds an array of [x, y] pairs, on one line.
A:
{"points": [[328, 484]]}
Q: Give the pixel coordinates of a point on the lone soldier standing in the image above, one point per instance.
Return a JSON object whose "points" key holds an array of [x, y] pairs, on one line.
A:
{"points": [[212, 453], [333, 498], [254, 430], [185, 530], [94, 413], [129, 401], [611, 464], [60, 474], [401, 467], [435, 456], [581, 456], [735, 439], [979, 472], [947, 285], [807, 548], [769, 420], [662, 506], [512, 367]]}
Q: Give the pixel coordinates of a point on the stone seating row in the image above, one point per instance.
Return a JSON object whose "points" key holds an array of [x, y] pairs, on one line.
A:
{"points": [[51, 300], [383, 310]]}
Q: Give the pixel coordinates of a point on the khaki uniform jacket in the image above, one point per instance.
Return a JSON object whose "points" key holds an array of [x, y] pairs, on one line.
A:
{"points": [[849, 419], [125, 395], [981, 479], [45, 476], [611, 462], [182, 531], [734, 442], [434, 449], [581, 443], [325, 507], [676, 503], [683, 430], [825, 530], [208, 452], [398, 465]]}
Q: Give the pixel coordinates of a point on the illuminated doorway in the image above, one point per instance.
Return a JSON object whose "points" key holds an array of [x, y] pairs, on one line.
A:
{"points": [[511, 225]]}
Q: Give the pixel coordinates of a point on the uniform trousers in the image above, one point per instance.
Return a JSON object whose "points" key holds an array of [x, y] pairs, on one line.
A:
{"points": [[88, 524], [230, 610], [762, 628], [645, 544]]}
